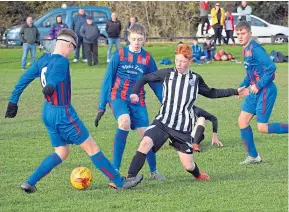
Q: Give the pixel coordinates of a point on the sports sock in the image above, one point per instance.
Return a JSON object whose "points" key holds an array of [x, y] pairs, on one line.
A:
{"points": [[198, 135], [118, 147], [151, 159], [103, 165], [278, 128], [136, 164], [49, 163], [247, 137], [195, 172]]}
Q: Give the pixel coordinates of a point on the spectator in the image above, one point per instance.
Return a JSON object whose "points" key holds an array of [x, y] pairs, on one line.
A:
{"points": [[132, 20], [229, 27], [209, 48], [78, 20], [244, 12], [204, 11], [50, 43], [113, 29], [29, 36], [218, 20], [90, 33], [197, 52]]}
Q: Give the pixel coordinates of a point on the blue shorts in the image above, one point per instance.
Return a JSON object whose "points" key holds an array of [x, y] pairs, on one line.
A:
{"points": [[63, 125], [261, 104], [138, 113]]}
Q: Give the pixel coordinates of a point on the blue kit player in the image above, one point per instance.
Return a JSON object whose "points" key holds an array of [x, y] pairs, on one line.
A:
{"points": [[127, 65], [260, 73], [59, 117]]}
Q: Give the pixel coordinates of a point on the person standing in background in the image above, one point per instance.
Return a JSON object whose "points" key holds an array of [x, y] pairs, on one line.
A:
{"points": [[204, 11], [113, 29], [132, 20], [29, 36], [244, 12], [90, 33], [229, 27], [218, 20]]}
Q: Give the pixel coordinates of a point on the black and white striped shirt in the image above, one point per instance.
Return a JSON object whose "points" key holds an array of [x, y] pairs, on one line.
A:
{"points": [[180, 91]]}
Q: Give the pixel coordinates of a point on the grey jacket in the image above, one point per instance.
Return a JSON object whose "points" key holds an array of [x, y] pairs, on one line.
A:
{"points": [[90, 33], [29, 34], [247, 11], [78, 20]]}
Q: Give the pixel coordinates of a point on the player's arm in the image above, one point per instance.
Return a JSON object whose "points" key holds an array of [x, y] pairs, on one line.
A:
{"points": [[157, 76], [155, 86], [268, 66], [204, 90], [246, 81], [208, 116], [56, 76], [107, 82], [26, 78]]}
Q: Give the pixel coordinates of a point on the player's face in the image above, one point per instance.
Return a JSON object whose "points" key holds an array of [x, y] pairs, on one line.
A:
{"points": [[182, 63], [243, 36], [136, 41]]}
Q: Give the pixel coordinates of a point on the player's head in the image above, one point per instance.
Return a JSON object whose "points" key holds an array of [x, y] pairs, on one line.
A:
{"points": [[195, 40], [136, 36], [243, 31], [183, 58], [66, 42]]}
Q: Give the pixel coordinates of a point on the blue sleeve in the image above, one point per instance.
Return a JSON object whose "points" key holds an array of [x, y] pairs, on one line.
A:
{"points": [[58, 73], [108, 81], [246, 82], [267, 64], [32, 73], [155, 86]]}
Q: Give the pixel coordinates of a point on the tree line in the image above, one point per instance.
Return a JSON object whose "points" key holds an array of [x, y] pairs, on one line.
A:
{"points": [[162, 19]]}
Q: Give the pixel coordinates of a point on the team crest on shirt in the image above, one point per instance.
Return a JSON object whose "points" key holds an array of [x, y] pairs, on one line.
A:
{"points": [[192, 82], [144, 61]]}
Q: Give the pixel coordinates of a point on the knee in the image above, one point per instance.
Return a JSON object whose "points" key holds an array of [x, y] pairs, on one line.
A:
{"points": [[243, 123], [263, 128], [62, 153], [124, 123], [145, 145], [189, 166]]}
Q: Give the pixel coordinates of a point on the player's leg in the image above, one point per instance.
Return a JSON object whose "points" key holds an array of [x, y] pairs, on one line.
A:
{"points": [[198, 133], [33, 53], [151, 159], [154, 137], [190, 166], [49, 163], [265, 106], [140, 121], [122, 115]]}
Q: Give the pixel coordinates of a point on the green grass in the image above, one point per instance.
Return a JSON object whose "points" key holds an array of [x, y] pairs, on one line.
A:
{"points": [[24, 143]]}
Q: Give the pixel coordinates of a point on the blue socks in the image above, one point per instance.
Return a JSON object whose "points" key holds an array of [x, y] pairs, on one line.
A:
{"points": [[151, 159], [247, 137], [103, 165], [278, 128], [45, 167], [118, 147]]}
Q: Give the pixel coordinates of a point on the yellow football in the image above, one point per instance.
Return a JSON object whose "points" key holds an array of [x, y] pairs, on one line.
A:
{"points": [[81, 178]]}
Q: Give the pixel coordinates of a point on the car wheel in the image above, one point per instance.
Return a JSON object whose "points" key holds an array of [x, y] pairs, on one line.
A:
{"points": [[280, 39]]}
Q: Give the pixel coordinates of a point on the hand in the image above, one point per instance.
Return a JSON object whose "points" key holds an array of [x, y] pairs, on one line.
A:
{"points": [[37, 42], [11, 110], [134, 98], [254, 89], [98, 117], [48, 90], [215, 140], [243, 91]]}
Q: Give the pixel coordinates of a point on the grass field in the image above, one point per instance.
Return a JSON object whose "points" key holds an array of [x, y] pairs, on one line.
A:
{"points": [[24, 143]]}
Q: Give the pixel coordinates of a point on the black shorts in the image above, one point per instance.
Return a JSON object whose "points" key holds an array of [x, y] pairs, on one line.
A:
{"points": [[159, 133]]}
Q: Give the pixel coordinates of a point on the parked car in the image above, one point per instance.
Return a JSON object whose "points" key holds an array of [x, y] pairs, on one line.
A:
{"points": [[260, 28], [100, 16]]}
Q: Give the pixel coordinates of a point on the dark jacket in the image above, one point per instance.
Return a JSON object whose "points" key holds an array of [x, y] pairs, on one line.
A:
{"points": [[56, 28], [89, 32], [29, 34], [113, 28], [78, 20]]}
